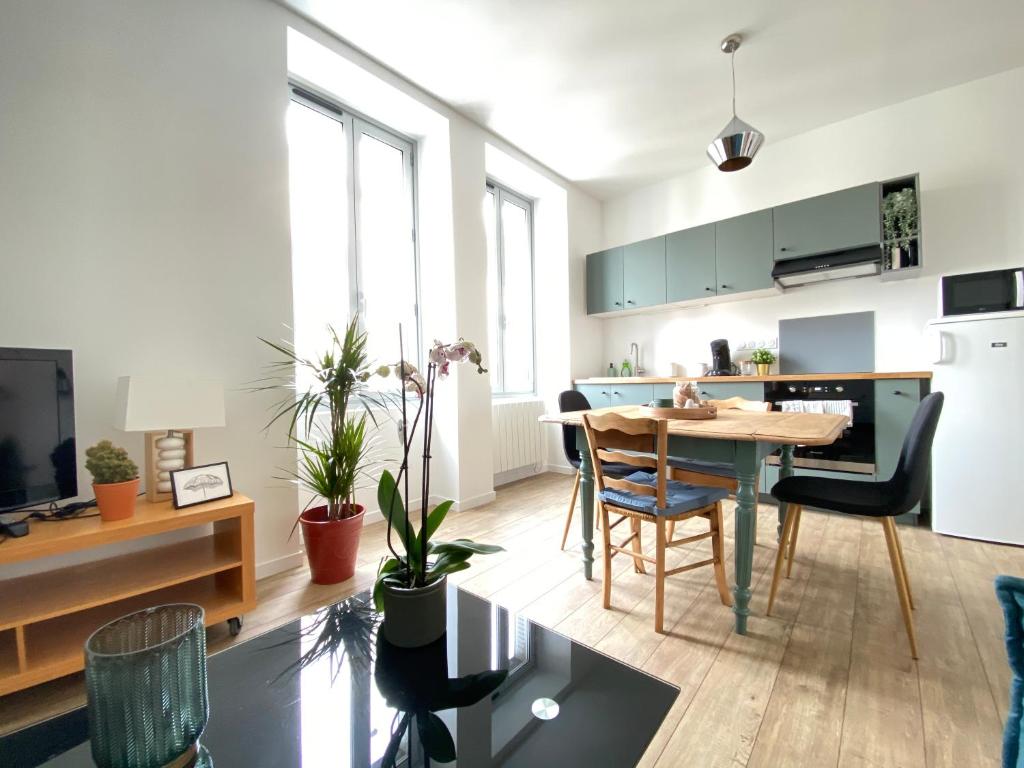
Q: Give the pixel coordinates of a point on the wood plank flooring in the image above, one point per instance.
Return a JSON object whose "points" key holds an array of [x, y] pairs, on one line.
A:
{"points": [[826, 681]]}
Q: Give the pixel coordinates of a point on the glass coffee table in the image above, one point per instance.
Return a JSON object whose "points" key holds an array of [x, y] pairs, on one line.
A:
{"points": [[326, 690]]}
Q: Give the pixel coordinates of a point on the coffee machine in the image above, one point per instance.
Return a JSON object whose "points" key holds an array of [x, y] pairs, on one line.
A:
{"points": [[721, 359]]}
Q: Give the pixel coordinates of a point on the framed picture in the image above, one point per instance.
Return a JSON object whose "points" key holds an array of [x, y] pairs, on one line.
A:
{"points": [[196, 485]]}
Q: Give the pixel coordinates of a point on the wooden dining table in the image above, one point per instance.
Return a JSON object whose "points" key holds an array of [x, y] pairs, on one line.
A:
{"points": [[740, 438]]}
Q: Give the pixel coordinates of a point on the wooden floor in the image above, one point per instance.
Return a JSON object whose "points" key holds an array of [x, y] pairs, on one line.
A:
{"points": [[827, 681]]}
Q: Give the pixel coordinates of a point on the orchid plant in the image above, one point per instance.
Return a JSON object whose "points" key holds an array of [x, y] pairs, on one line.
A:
{"points": [[423, 561]]}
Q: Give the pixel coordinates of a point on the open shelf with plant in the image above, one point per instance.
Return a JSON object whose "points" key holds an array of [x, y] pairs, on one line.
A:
{"points": [[901, 227]]}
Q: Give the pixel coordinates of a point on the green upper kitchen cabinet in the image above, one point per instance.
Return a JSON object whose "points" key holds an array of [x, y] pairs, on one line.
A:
{"points": [[743, 253], [690, 264], [838, 221], [643, 282], [604, 281]]}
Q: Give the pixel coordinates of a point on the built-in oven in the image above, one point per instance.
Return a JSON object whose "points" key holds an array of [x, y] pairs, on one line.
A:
{"points": [[999, 290], [854, 450]]}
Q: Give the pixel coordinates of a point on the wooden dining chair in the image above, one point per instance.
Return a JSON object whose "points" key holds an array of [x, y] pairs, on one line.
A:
{"points": [[649, 497], [882, 501]]}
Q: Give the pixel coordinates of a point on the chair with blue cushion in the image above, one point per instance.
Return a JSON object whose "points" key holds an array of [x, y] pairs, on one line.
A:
{"points": [[649, 496], [571, 400], [882, 501], [1010, 592]]}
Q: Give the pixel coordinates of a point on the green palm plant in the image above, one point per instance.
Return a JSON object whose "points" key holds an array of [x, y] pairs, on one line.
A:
{"points": [[335, 454]]}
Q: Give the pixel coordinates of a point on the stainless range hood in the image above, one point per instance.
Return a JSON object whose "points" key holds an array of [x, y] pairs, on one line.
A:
{"points": [[860, 262]]}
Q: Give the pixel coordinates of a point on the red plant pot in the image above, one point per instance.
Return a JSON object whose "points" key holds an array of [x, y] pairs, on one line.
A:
{"points": [[116, 500], [331, 545]]}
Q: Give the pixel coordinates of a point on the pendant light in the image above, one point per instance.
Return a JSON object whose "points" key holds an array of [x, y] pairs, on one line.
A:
{"points": [[734, 148]]}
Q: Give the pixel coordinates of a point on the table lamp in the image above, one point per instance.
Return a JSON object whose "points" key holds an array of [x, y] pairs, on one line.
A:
{"points": [[167, 410]]}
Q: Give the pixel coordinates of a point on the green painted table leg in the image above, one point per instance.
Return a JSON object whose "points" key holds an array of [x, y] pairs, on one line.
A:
{"points": [[785, 470], [747, 461], [586, 504]]}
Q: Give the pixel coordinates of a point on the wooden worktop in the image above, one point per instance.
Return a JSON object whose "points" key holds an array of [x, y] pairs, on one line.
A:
{"points": [[777, 377]]}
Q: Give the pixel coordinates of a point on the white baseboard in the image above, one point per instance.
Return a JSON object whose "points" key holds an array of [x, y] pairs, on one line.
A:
{"points": [[279, 564], [474, 501], [520, 473], [561, 469]]}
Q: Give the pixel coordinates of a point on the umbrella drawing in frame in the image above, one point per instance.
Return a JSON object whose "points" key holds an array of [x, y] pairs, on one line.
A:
{"points": [[203, 482]]}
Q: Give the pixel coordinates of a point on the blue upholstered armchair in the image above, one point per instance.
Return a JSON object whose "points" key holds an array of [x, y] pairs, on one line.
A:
{"points": [[1010, 591]]}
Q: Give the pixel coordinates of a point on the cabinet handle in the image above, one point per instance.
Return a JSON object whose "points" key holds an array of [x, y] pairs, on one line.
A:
{"points": [[706, 288], [725, 286], [618, 303], [783, 248], [897, 392], [603, 392], [630, 301]]}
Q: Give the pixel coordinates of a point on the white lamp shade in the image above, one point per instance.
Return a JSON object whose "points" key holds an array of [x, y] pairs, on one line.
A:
{"points": [[155, 403]]}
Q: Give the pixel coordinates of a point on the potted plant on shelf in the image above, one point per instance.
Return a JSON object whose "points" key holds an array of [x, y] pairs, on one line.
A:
{"points": [[115, 480], [763, 359], [411, 584], [332, 455], [899, 225]]}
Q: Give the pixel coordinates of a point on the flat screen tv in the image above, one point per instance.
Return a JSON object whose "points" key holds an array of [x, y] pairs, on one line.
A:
{"points": [[37, 427]]}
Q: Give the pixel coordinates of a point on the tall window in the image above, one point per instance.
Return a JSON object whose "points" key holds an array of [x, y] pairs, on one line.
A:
{"points": [[353, 226], [508, 219]]}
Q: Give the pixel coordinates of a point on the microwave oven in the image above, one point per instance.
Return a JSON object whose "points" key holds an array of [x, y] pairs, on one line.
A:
{"points": [[999, 290]]}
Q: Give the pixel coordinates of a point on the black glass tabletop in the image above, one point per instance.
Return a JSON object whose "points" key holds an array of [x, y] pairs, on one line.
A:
{"points": [[325, 690]]}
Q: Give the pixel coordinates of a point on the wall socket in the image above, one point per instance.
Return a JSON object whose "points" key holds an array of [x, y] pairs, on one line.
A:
{"points": [[770, 342]]}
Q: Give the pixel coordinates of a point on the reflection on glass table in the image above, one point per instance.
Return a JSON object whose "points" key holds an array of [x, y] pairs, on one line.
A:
{"points": [[496, 690]]}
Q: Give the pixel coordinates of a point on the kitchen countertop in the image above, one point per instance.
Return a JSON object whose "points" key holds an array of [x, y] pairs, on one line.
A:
{"points": [[777, 377]]}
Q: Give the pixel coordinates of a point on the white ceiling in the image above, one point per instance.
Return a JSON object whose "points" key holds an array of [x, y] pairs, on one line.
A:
{"points": [[614, 94]]}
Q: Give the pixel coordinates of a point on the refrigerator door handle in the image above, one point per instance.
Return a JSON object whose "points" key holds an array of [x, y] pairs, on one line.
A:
{"points": [[939, 346], [1018, 285]]}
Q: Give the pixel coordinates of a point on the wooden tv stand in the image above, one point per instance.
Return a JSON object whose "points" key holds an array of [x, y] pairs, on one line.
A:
{"points": [[46, 617]]}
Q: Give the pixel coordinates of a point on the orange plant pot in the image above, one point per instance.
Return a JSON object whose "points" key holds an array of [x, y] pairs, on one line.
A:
{"points": [[331, 545], [116, 500]]}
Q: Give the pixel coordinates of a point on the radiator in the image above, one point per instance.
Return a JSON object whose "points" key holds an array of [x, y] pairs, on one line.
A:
{"points": [[518, 441]]}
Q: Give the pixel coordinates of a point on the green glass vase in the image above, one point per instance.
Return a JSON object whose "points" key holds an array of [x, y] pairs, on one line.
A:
{"points": [[145, 677]]}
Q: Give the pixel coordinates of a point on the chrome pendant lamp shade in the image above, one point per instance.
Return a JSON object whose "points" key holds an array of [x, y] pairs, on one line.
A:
{"points": [[735, 146]]}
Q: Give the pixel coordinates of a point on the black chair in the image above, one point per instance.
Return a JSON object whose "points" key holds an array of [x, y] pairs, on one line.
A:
{"points": [[884, 501], [571, 400]]}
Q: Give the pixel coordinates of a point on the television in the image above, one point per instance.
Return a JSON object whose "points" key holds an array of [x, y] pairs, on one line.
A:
{"points": [[37, 427]]}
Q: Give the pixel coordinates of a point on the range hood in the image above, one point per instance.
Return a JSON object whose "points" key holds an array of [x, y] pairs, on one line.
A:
{"points": [[860, 262]]}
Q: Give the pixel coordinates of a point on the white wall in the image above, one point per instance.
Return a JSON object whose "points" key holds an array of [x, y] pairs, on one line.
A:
{"points": [[144, 220], [972, 194]]}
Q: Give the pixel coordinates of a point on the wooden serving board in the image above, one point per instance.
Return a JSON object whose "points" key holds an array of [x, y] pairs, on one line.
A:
{"points": [[678, 414]]}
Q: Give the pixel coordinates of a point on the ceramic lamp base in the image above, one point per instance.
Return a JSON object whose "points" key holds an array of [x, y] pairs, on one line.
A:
{"points": [[165, 453]]}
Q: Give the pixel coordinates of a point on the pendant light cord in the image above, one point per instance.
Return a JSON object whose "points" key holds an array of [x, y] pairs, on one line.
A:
{"points": [[732, 61]]}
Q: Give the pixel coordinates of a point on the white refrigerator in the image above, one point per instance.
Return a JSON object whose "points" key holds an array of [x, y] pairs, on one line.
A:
{"points": [[978, 455]]}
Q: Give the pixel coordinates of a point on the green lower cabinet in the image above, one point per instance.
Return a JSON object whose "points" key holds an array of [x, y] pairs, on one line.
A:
{"points": [[896, 402], [598, 395], [631, 394], [726, 389]]}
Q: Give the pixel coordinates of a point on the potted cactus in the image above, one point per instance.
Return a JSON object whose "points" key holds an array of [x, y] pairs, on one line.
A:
{"points": [[763, 359], [115, 480]]}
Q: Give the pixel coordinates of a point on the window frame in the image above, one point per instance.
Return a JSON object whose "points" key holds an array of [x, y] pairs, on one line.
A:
{"points": [[502, 193], [355, 124]]}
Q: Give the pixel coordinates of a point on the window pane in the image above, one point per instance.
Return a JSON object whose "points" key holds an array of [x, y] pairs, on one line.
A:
{"points": [[518, 297], [494, 311], [319, 202], [386, 255]]}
